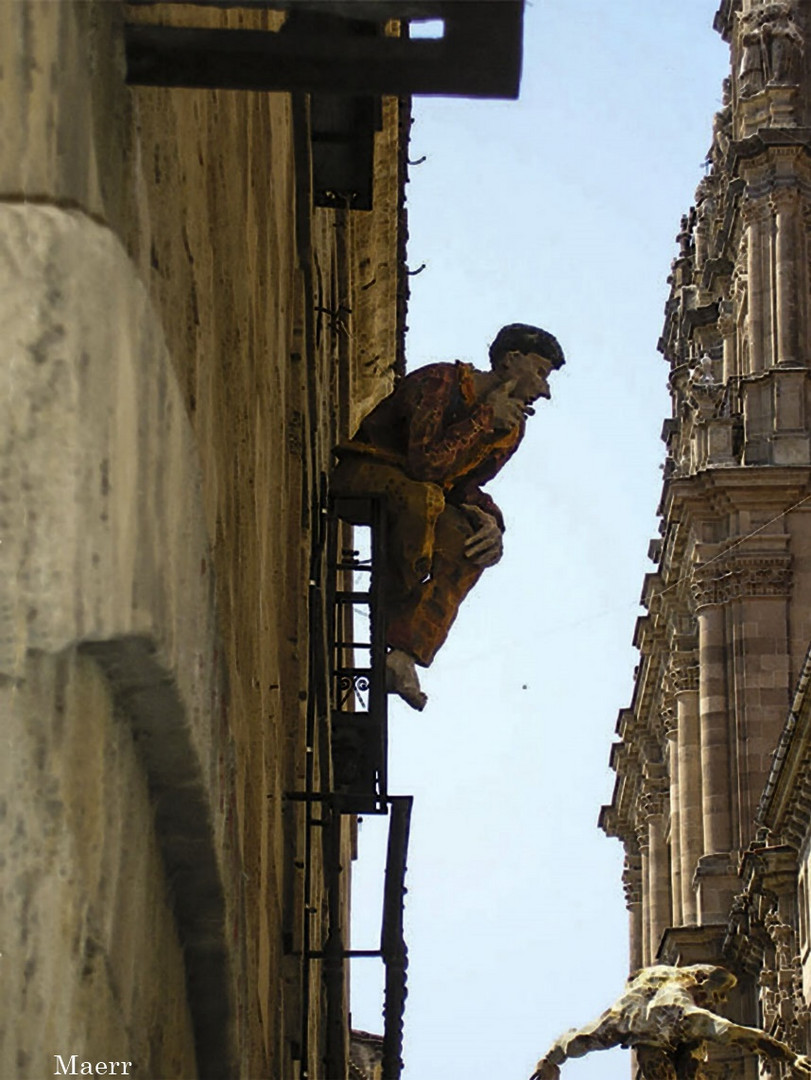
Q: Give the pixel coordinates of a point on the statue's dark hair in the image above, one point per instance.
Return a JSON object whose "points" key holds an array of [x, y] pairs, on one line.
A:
{"points": [[518, 337]]}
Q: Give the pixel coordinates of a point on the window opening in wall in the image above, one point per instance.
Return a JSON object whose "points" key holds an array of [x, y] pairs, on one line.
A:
{"points": [[426, 29]]}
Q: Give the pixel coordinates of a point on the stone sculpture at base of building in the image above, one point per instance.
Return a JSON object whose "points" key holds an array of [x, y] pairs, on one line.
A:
{"points": [[427, 449], [667, 1014]]}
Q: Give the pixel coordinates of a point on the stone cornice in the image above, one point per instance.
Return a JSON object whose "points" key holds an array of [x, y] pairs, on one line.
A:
{"points": [[713, 492], [766, 141], [740, 576]]}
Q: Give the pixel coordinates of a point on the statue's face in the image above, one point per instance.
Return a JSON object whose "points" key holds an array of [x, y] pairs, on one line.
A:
{"points": [[530, 371]]}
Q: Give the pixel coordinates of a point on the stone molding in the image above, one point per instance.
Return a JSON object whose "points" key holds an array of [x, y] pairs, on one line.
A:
{"points": [[739, 577]]}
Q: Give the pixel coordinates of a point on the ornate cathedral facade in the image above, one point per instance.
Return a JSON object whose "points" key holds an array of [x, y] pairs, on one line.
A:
{"points": [[712, 800]]}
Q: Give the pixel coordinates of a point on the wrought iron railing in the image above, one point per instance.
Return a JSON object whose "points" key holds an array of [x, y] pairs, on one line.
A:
{"points": [[359, 716]]}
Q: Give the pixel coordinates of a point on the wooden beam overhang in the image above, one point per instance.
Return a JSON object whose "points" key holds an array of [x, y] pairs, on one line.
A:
{"points": [[339, 47]]}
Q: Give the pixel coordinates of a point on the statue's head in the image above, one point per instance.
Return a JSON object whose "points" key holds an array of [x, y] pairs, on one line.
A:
{"points": [[525, 356], [519, 337]]}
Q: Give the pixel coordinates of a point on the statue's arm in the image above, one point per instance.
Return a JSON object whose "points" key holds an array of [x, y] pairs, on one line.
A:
{"points": [[704, 1024], [601, 1034]]}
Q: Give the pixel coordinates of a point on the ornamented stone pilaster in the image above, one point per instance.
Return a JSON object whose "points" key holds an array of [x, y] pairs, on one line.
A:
{"points": [[756, 216], [784, 202]]}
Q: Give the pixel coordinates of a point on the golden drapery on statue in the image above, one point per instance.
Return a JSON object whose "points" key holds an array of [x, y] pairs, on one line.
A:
{"points": [[667, 1014]]}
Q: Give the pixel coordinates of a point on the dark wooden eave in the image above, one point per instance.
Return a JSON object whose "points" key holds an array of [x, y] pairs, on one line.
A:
{"points": [[318, 50]]}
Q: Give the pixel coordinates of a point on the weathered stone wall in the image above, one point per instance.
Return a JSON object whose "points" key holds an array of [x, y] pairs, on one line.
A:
{"points": [[173, 381], [92, 964]]}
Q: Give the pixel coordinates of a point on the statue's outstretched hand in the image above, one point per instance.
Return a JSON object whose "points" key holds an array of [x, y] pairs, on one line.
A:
{"points": [[802, 1065], [485, 546], [546, 1070]]}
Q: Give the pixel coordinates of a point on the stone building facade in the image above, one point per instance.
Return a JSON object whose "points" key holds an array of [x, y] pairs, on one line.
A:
{"points": [[185, 337], [203, 290], [711, 800]]}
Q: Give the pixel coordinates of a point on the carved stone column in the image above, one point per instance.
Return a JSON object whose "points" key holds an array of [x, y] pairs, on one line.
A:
{"points": [[784, 203], [644, 882], [659, 906], [708, 594], [684, 679], [671, 731], [759, 318]]}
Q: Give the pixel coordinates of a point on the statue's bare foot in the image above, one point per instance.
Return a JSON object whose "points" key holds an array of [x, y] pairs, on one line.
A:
{"points": [[402, 679]]}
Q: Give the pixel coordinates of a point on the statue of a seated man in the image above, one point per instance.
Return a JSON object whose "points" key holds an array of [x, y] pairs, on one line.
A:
{"points": [[444, 431], [667, 1014]]}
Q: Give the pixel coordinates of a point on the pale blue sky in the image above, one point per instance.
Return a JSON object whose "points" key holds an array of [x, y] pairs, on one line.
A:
{"points": [[560, 209]]}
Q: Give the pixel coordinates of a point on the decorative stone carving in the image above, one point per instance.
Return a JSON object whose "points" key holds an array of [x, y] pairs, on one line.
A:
{"points": [[668, 1015], [740, 577], [684, 238], [752, 69], [771, 49], [655, 797], [706, 212], [721, 127], [784, 1007], [683, 672], [726, 324], [670, 722], [784, 45], [632, 878], [705, 393]]}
